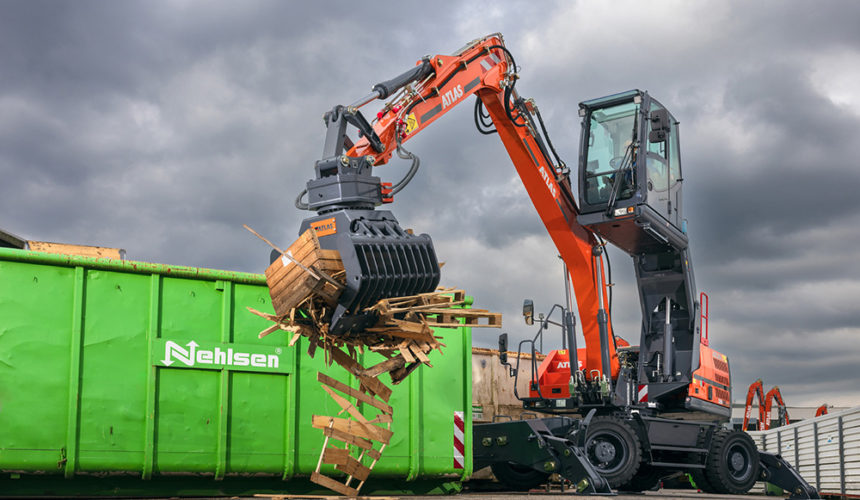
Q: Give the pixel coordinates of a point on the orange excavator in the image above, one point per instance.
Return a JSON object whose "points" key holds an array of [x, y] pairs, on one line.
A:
{"points": [[756, 390], [782, 416], [765, 407], [649, 410]]}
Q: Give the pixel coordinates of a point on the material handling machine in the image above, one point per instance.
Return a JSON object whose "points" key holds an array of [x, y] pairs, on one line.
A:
{"points": [[621, 417]]}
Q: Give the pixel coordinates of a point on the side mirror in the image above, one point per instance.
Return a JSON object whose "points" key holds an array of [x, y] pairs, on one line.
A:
{"points": [[659, 126], [529, 311], [503, 348]]}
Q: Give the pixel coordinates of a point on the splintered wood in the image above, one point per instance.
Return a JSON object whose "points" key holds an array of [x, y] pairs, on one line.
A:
{"points": [[350, 442], [305, 283]]}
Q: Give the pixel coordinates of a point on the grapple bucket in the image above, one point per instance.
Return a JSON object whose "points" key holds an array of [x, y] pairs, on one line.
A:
{"points": [[381, 260]]}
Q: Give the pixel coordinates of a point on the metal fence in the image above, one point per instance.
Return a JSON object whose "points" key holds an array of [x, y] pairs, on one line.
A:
{"points": [[825, 450]]}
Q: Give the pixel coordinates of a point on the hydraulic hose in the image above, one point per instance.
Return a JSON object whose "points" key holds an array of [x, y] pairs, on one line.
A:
{"points": [[413, 169], [301, 205]]}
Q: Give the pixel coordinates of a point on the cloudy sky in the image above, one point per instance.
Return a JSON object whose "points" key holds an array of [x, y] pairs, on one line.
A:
{"points": [[162, 127]]}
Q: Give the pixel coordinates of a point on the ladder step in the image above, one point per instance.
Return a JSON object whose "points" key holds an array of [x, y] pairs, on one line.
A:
{"points": [[677, 464], [678, 448]]}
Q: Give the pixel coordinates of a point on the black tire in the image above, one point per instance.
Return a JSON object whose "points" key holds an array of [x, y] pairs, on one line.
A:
{"points": [[646, 479], [698, 475], [613, 448], [733, 466], [517, 477], [701, 481]]}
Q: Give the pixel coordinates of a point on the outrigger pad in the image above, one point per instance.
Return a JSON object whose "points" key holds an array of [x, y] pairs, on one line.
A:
{"points": [[777, 471], [533, 443]]}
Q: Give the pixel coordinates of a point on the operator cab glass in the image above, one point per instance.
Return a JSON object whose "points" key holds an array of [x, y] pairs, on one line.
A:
{"points": [[611, 133], [630, 172]]}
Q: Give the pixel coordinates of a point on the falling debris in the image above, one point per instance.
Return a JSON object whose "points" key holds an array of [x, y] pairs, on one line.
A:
{"points": [[305, 283]]}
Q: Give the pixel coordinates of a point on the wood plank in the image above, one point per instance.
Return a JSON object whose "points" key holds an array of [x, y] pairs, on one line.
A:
{"points": [[423, 307], [419, 354], [299, 251], [300, 290], [367, 431], [301, 254], [355, 469], [374, 454], [362, 443], [381, 419], [83, 250], [385, 366], [282, 280], [404, 351], [398, 376], [394, 332], [346, 405], [333, 485], [374, 385], [349, 391], [336, 456], [270, 317]]}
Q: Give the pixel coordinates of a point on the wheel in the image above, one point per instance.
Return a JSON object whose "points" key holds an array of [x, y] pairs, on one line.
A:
{"points": [[645, 479], [613, 448], [518, 477], [700, 481], [733, 466]]}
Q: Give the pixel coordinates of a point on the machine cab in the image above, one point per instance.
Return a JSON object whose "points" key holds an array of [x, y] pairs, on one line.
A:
{"points": [[630, 172]]}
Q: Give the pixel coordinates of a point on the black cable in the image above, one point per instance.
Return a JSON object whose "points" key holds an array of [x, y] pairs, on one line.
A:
{"points": [[510, 89], [483, 126], [548, 141], [413, 169], [299, 203]]}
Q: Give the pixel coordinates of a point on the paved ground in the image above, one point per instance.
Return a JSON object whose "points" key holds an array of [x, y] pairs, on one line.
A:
{"points": [[537, 495], [679, 494]]}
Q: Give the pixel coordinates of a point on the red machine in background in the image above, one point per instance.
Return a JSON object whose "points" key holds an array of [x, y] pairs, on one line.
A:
{"points": [[765, 407], [650, 409], [782, 415]]}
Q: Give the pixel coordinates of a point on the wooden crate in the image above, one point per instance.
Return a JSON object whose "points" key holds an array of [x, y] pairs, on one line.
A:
{"points": [[290, 284]]}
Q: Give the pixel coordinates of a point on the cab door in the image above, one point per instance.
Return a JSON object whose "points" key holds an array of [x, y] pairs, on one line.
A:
{"points": [[663, 167]]}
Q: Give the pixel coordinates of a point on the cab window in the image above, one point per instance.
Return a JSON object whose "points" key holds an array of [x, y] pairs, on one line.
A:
{"points": [[611, 136]]}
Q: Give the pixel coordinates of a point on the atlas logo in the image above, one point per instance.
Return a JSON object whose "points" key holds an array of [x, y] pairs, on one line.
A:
{"points": [[324, 227], [566, 364], [549, 182], [450, 97], [193, 356]]}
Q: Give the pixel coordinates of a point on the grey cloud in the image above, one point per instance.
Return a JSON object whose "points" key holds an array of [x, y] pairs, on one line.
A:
{"points": [[162, 127]]}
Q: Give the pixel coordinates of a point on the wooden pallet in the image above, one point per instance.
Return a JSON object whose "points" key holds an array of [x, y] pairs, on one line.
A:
{"points": [[357, 434], [304, 270]]}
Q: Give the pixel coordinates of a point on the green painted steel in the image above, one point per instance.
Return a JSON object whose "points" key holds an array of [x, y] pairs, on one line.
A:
{"points": [[122, 367]]}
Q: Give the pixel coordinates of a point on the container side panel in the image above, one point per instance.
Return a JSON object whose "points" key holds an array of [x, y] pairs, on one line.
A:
{"points": [[246, 324], [186, 426], [259, 404], [187, 432], [443, 390], [191, 311], [36, 309], [257, 409], [113, 372]]}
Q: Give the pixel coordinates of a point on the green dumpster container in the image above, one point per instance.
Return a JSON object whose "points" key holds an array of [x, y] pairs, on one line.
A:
{"points": [[131, 377]]}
